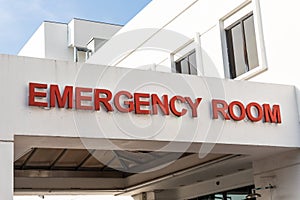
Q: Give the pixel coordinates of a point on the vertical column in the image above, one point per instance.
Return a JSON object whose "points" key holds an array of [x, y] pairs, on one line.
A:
{"points": [[75, 54], [6, 170], [281, 171], [199, 59]]}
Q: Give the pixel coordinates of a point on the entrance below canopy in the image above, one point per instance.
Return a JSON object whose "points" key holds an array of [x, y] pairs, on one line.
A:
{"points": [[57, 165]]}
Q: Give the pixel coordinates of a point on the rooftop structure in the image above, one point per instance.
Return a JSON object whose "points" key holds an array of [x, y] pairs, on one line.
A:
{"points": [[74, 41]]}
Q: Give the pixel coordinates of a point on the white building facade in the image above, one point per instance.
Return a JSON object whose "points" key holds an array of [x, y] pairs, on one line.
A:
{"points": [[189, 100]]}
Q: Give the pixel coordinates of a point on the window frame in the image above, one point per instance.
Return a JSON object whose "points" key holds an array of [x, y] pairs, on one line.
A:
{"points": [[186, 49], [228, 21], [230, 50], [186, 56]]}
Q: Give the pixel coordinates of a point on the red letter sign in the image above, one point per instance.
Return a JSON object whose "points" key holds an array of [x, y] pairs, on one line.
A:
{"points": [[61, 101], [273, 115], [173, 107], [221, 110], [33, 94], [80, 98]]}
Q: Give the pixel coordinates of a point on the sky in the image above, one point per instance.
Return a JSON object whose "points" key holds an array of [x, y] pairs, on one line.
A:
{"points": [[19, 19]]}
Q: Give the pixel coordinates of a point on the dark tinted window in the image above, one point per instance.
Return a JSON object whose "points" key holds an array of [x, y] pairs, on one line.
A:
{"points": [[187, 65], [241, 46]]}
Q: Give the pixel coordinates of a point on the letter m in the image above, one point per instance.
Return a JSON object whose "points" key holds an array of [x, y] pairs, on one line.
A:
{"points": [[55, 96], [272, 115]]}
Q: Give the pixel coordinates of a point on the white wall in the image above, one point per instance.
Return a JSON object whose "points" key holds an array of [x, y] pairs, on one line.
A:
{"points": [[282, 41], [281, 171], [82, 31], [275, 25], [281, 36], [19, 118], [35, 47], [56, 41], [163, 28], [6, 170], [49, 41], [184, 20]]}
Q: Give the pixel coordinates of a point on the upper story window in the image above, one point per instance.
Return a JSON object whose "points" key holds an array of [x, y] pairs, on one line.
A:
{"points": [[187, 64], [241, 46], [243, 41], [185, 59]]}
